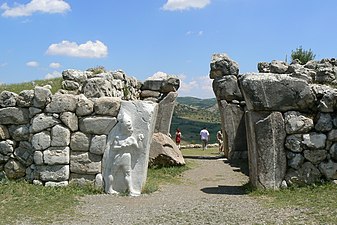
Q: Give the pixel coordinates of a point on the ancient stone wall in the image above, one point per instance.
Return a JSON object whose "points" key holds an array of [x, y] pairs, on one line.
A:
{"points": [[290, 117], [54, 139]]}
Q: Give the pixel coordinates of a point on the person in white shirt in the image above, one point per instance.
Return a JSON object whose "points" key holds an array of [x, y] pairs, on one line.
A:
{"points": [[204, 136]]}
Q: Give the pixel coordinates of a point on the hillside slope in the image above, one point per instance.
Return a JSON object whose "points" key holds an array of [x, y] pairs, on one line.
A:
{"points": [[192, 114]]}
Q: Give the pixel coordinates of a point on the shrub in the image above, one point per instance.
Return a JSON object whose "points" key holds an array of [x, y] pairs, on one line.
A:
{"points": [[302, 55]]}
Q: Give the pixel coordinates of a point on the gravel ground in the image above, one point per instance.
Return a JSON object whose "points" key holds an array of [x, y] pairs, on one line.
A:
{"points": [[211, 193]]}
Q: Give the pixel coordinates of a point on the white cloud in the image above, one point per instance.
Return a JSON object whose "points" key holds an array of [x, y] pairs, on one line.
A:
{"points": [[198, 33], [172, 5], [32, 64], [54, 74], [87, 50], [54, 65], [44, 6], [200, 87], [3, 64]]}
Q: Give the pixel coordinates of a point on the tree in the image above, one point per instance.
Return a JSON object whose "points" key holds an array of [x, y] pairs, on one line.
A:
{"points": [[302, 55]]}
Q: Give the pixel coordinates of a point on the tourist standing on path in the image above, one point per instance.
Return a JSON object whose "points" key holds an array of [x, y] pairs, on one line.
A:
{"points": [[178, 137], [204, 136], [219, 137]]}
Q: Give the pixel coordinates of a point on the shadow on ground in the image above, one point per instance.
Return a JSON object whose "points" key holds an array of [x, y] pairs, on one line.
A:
{"points": [[228, 190]]}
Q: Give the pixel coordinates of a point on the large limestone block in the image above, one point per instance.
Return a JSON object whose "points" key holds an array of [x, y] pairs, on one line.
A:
{"points": [[42, 97], [221, 65], [70, 120], [98, 144], [125, 160], [25, 98], [266, 153], [56, 155], [161, 82], [234, 130], [42, 121], [297, 123], [165, 113], [13, 115], [20, 132], [97, 87], [276, 92], [227, 88], [62, 103], [14, 169], [85, 163], [108, 106], [79, 142], [24, 153], [60, 136], [97, 124], [41, 141], [84, 106], [8, 99], [164, 152], [54, 172]]}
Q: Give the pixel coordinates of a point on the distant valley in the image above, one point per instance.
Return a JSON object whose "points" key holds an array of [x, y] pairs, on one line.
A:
{"points": [[192, 114]]}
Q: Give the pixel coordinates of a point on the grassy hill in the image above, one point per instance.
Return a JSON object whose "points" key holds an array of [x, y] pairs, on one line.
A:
{"points": [[192, 114]]}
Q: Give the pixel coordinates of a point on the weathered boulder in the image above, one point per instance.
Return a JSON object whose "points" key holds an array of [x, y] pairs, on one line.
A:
{"points": [[14, 169], [62, 103], [56, 155], [278, 67], [6, 147], [314, 140], [41, 141], [13, 115], [43, 121], [42, 97], [164, 152], [296, 123], [97, 87], [19, 132], [221, 65], [8, 99], [98, 144], [60, 136], [307, 174], [97, 124], [276, 92], [85, 163], [79, 142], [84, 106], [227, 88], [329, 169], [25, 98], [70, 120], [54, 172], [24, 153], [108, 106]]}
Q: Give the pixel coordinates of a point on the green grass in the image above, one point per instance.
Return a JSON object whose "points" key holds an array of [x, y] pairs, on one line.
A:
{"points": [[164, 175], [200, 152], [318, 203], [17, 88], [41, 205]]}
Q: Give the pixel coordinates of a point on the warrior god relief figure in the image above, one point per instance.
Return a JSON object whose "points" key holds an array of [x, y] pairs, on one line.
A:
{"points": [[121, 148]]}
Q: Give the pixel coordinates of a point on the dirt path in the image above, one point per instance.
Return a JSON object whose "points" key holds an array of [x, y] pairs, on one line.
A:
{"points": [[211, 193]]}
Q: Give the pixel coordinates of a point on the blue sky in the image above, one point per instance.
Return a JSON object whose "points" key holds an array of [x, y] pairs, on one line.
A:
{"points": [[41, 38]]}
